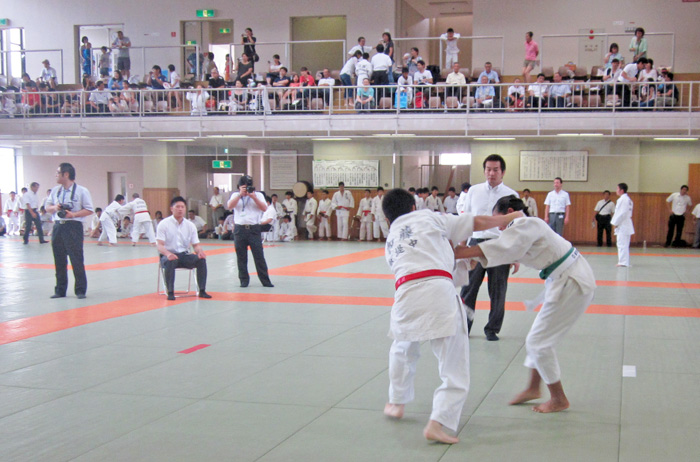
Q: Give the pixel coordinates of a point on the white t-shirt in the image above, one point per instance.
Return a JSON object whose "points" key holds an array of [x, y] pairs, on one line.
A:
{"points": [[631, 71], [696, 212], [174, 80], [349, 67], [198, 222], [381, 62], [422, 77], [451, 46]]}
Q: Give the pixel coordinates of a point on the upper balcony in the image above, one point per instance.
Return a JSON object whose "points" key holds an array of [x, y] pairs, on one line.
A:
{"points": [[636, 110]]}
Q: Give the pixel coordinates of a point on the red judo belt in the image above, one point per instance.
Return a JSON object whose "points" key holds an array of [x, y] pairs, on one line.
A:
{"points": [[421, 275], [143, 211]]}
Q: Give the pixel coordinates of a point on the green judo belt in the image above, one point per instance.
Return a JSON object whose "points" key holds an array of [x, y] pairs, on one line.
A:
{"points": [[545, 273]]}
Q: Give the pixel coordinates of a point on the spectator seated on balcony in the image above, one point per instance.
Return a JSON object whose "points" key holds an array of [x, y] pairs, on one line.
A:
{"points": [[50, 101], [411, 60], [423, 77], [98, 102], [647, 94], [116, 82], [628, 75], [48, 75], [666, 93], [327, 83], [306, 80], [280, 83], [485, 95], [31, 102], [274, 69], [613, 53], [405, 86], [648, 72], [8, 103], [365, 100], [128, 99], [217, 87], [559, 93], [71, 104], [198, 101], [516, 95], [291, 98], [456, 82], [238, 101], [156, 81], [245, 70], [537, 93]]}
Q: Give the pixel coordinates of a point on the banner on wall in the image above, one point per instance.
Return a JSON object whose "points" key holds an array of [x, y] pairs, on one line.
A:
{"points": [[283, 169], [547, 165], [354, 173]]}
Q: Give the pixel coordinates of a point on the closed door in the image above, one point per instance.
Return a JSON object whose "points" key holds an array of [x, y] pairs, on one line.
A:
{"points": [[116, 184]]}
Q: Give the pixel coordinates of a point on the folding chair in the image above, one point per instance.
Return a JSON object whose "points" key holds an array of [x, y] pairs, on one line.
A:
{"points": [[161, 289]]}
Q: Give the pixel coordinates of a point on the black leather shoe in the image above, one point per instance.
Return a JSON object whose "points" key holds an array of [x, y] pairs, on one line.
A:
{"points": [[244, 283], [43, 242], [171, 296], [80, 296], [491, 337], [203, 294], [268, 284], [58, 296]]}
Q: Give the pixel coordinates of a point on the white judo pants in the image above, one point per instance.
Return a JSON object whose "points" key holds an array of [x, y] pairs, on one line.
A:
{"points": [[453, 367], [450, 59], [311, 226], [551, 324], [109, 231], [341, 217], [365, 229], [383, 226], [324, 227], [13, 224], [143, 226], [274, 234], [623, 249]]}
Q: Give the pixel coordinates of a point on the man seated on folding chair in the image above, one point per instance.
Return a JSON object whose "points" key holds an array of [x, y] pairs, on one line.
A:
{"points": [[174, 236]]}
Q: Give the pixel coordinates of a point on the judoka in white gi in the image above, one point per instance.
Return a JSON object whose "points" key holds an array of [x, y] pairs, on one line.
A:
{"points": [[325, 209], [462, 199], [12, 212], [110, 216], [433, 202], [380, 223], [269, 218], [364, 213], [624, 228], [569, 289], [274, 234], [289, 205], [288, 232], [310, 214], [428, 307], [342, 203], [141, 224]]}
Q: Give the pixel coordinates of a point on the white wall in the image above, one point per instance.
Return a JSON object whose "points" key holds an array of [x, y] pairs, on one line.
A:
{"points": [[48, 23], [513, 18]]}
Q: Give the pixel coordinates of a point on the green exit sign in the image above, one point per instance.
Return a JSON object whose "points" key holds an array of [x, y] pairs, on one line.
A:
{"points": [[4, 22], [191, 42], [225, 30], [221, 164], [205, 13]]}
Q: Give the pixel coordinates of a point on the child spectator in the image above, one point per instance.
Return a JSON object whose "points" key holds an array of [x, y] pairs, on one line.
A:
{"points": [[104, 61]]}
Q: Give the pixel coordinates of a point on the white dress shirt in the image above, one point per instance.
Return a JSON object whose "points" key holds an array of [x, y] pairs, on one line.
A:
{"points": [[557, 201], [481, 199], [77, 196], [30, 198], [679, 203], [178, 237], [246, 211]]}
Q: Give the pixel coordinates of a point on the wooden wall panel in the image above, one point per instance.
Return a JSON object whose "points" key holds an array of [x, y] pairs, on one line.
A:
{"points": [[159, 199]]}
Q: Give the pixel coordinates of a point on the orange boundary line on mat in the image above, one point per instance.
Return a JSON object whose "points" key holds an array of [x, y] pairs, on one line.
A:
{"points": [[21, 329]]}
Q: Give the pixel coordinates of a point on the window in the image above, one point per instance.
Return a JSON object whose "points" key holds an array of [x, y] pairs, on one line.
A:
{"points": [[12, 61], [8, 170]]}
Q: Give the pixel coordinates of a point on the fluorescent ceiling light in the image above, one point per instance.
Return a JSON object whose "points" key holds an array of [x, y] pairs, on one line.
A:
{"points": [[579, 134], [228, 136], [331, 139], [485, 138], [35, 141], [72, 137], [393, 135], [456, 158], [675, 139], [177, 139]]}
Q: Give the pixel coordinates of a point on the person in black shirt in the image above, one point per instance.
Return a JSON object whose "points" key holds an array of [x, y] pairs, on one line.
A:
{"points": [[216, 81]]}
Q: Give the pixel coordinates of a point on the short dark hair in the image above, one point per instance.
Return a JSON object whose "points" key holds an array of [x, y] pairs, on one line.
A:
{"points": [[639, 29], [156, 67], [685, 186], [365, 55], [360, 38], [642, 61], [529, 34], [289, 193], [119, 197], [450, 30], [415, 48], [287, 217], [615, 60], [526, 190], [495, 158], [379, 188], [34, 183], [540, 75], [412, 189], [66, 167], [420, 61], [367, 190], [404, 69], [276, 56], [466, 185], [171, 67], [560, 180], [324, 191], [622, 186], [669, 75], [285, 69], [380, 48], [357, 54], [510, 202], [434, 188], [274, 195], [452, 188], [177, 199], [341, 183], [191, 211], [613, 45], [397, 202], [606, 192], [98, 209]]}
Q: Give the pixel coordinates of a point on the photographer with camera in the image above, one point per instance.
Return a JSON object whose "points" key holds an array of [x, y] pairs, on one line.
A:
{"points": [[69, 203], [248, 207]]}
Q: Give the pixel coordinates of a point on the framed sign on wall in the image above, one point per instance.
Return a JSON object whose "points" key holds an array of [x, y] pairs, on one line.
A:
{"points": [[354, 173], [283, 169], [547, 165]]}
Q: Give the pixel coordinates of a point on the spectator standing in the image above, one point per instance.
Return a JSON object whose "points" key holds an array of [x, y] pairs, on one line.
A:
{"points": [[86, 56], [389, 51], [216, 203], [123, 44], [556, 207], [678, 204], [532, 51], [613, 53], [451, 49], [31, 213], [361, 47], [450, 202], [604, 210], [248, 41], [638, 45], [346, 74], [104, 62], [69, 203], [48, 75]]}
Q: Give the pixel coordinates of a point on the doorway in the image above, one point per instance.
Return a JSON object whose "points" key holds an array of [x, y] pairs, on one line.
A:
{"points": [[12, 62], [116, 184], [212, 36], [316, 56], [98, 35]]}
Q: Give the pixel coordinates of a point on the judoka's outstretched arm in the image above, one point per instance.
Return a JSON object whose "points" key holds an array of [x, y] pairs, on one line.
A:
{"points": [[484, 222]]}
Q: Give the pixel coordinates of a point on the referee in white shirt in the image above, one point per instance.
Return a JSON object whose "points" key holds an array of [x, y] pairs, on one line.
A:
{"points": [[556, 207], [248, 207], [480, 200], [174, 237], [30, 202], [69, 204]]}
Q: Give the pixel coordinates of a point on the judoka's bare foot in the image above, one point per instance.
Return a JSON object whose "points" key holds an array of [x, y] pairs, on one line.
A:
{"points": [[434, 432], [552, 406], [525, 396], [100, 244], [393, 410]]}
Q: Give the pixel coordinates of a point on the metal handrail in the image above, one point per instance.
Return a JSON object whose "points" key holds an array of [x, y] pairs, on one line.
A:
{"points": [[471, 37]]}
